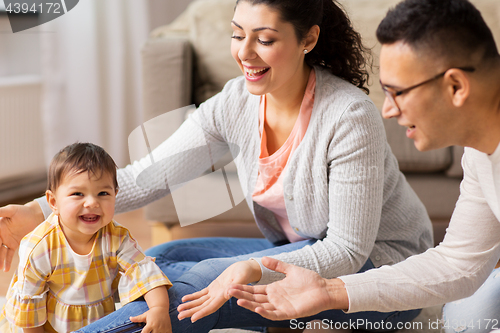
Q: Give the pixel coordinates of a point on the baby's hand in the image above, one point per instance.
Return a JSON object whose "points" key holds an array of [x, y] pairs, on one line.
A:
{"points": [[157, 320]]}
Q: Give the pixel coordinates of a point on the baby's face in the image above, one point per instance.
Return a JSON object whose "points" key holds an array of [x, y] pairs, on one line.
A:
{"points": [[84, 204]]}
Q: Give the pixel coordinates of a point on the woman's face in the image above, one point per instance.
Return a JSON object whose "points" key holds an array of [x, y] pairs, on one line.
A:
{"points": [[266, 49]]}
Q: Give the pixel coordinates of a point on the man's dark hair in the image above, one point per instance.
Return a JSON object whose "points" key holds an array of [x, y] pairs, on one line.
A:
{"points": [[78, 158], [452, 29]]}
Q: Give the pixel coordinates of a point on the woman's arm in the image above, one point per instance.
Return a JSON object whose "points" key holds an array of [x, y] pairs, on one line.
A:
{"points": [[191, 150]]}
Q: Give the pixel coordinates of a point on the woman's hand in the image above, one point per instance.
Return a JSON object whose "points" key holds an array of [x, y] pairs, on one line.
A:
{"points": [[301, 293], [210, 299], [15, 222]]}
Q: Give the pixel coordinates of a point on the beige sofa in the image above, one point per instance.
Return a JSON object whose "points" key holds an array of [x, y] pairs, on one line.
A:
{"points": [[189, 60]]}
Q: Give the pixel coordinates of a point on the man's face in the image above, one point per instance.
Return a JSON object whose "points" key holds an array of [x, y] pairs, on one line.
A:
{"points": [[422, 110]]}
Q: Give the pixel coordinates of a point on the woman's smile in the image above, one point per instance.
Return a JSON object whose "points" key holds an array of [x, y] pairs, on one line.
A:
{"points": [[256, 73]]}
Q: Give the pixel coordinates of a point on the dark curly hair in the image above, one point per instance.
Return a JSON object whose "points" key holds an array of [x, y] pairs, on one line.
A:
{"points": [[339, 47]]}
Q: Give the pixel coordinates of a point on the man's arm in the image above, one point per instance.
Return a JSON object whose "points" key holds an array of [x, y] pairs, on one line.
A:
{"points": [[454, 269], [15, 222], [399, 287]]}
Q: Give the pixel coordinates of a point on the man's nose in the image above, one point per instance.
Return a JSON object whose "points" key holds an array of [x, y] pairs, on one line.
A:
{"points": [[389, 110]]}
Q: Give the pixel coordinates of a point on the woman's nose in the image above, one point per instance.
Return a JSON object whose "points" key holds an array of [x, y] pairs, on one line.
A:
{"points": [[246, 50]]}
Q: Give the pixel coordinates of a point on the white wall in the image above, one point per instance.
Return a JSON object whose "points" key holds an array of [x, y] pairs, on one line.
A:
{"points": [[20, 52]]}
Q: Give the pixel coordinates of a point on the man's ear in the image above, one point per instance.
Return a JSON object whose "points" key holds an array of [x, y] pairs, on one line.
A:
{"points": [[311, 38], [51, 199], [458, 86]]}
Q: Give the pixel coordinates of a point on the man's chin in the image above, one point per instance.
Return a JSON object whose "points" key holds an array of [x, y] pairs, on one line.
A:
{"points": [[423, 145], [420, 146]]}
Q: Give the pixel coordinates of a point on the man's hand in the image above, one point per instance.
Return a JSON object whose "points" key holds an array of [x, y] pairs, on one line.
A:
{"points": [[210, 299], [15, 222], [301, 293]]}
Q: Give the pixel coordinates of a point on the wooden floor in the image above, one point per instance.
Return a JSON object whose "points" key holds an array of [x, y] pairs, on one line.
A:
{"points": [[134, 221]]}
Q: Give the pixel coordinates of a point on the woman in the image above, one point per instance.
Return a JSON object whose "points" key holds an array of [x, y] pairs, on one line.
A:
{"points": [[340, 205]]}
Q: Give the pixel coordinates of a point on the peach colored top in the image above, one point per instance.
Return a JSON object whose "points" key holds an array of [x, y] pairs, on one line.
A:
{"points": [[269, 191]]}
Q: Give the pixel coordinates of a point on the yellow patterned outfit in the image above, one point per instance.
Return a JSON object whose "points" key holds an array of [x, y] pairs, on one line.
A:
{"points": [[64, 291]]}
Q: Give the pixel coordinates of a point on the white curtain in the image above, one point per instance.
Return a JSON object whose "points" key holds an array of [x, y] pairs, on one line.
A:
{"points": [[91, 75]]}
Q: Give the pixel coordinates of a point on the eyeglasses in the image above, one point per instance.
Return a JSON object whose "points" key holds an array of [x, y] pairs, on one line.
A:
{"points": [[391, 93]]}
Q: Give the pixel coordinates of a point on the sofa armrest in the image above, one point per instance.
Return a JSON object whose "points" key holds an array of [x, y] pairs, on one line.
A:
{"points": [[166, 82], [167, 75]]}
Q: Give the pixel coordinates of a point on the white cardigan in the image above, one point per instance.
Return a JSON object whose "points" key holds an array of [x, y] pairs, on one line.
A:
{"points": [[458, 266], [342, 185]]}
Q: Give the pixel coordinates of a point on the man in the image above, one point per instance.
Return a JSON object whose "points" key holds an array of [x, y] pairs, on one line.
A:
{"points": [[440, 70]]}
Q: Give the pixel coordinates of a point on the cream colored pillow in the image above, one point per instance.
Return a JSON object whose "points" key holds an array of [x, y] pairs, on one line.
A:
{"points": [[207, 24], [210, 34]]}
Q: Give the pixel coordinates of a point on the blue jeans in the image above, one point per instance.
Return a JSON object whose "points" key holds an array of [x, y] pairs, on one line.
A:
{"points": [[477, 313], [192, 264]]}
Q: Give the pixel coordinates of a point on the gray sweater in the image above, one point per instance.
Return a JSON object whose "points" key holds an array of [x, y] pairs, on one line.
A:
{"points": [[342, 185]]}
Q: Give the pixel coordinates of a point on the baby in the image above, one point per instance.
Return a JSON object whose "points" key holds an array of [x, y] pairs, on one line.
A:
{"points": [[72, 264]]}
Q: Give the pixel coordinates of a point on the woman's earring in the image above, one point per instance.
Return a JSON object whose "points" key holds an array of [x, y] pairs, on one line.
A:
{"points": [[305, 51]]}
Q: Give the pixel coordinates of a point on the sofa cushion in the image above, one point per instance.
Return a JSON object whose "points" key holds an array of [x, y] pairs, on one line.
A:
{"points": [[207, 24], [210, 23]]}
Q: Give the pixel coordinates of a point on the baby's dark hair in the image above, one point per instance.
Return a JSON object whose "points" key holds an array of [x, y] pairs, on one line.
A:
{"points": [[449, 29], [339, 48], [78, 158]]}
